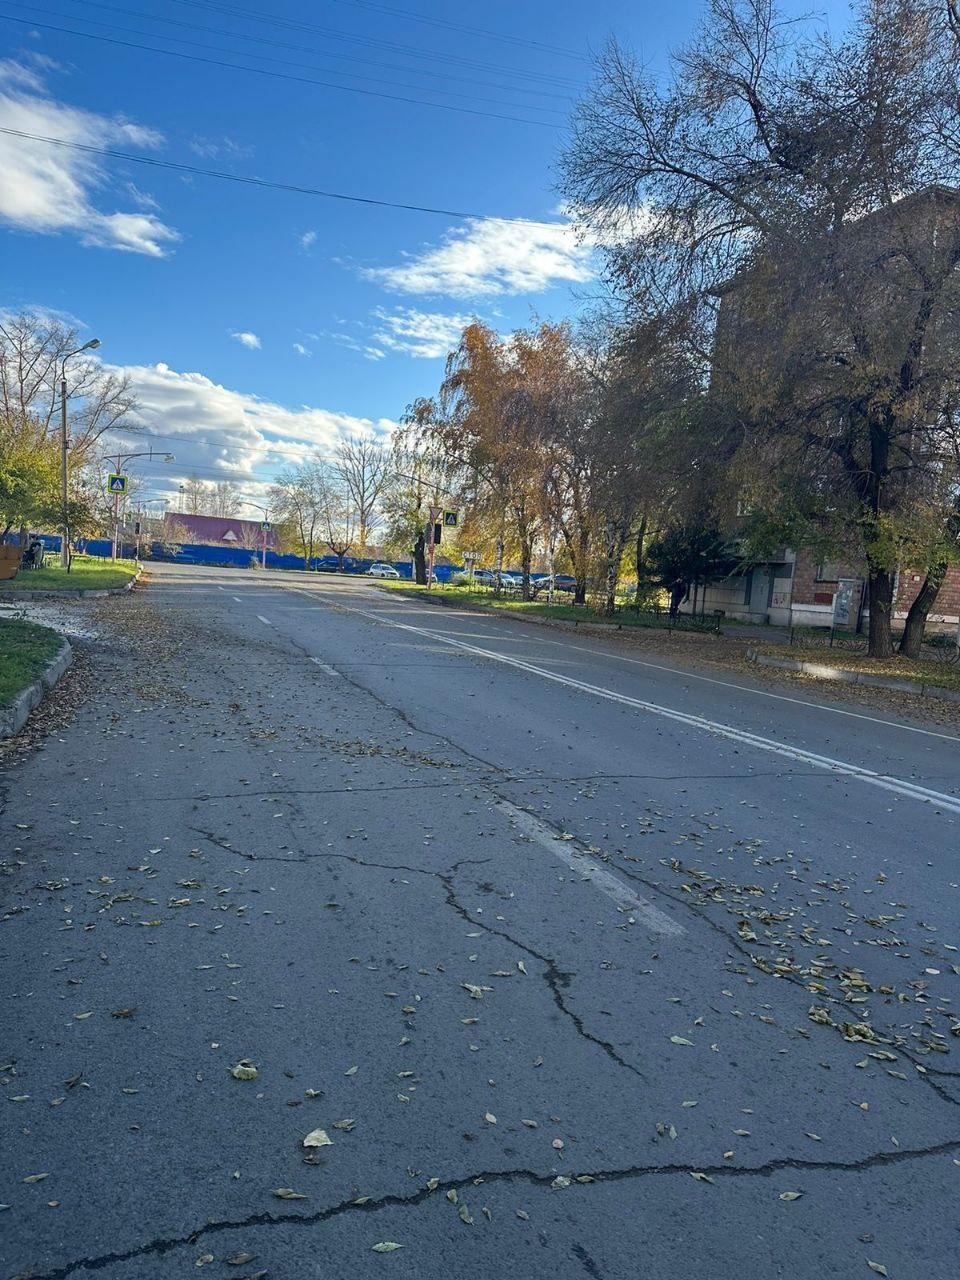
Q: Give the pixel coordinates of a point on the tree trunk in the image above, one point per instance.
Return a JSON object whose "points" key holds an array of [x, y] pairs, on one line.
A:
{"points": [[912, 637], [419, 561], [616, 540], [639, 557], [881, 613], [677, 594], [526, 559], [497, 586]]}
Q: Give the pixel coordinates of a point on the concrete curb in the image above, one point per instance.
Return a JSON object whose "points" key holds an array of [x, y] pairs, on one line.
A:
{"points": [[822, 672], [14, 717], [11, 597]]}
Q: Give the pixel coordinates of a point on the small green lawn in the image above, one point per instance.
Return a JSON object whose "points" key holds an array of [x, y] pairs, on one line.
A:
{"points": [[943, 675], [25, 649], [86, 574], [484, 598]]}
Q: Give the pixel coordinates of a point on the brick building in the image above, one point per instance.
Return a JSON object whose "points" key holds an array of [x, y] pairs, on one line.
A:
{"points": [[799, 589]]}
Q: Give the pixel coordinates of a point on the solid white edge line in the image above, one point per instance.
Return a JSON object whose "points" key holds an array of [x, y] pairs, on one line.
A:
{"points": [[650, 917], [725, 684], [885, 781]]}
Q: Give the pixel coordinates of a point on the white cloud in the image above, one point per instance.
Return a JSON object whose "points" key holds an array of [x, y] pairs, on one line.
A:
{"points": [[301, 350], [307, 239], [49, 189], [491, 256], [422, 334], [244, 438], [247, 339], [352, 344], [224, 148]]}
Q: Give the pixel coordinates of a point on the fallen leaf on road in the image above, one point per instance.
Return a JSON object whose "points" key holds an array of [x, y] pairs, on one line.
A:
{"points": [[347, 1125], [317, 1138], [244, 1070], [36, 1177], [238, 1259], [680, 1040], [287, 1193], [878, 1267], [490, 1117], [464, 1213], [790, 1195], [351, 1071], [701, 1177], [386, 1246]]}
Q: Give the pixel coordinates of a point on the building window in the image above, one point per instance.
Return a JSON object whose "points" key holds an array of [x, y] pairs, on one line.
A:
{"points": [[829, 571]]}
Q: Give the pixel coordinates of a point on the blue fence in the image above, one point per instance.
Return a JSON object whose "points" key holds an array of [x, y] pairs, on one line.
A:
{"points": [[240, 557]]}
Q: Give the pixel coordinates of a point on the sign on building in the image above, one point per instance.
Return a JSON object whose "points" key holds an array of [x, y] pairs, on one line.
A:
{"points": [[843, 602]]}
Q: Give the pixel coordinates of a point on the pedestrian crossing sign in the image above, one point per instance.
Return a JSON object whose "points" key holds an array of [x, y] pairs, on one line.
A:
{"points": [[116, 483]]}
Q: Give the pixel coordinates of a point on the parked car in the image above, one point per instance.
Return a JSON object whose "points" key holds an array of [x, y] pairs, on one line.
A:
{"points": [[561, 582], [380, 570]]}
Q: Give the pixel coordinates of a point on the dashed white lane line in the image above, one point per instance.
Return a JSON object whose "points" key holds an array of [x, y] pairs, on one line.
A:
{"points": [[266, 621], [568, 852], [325, 667], [238, 600], [887, 782]]}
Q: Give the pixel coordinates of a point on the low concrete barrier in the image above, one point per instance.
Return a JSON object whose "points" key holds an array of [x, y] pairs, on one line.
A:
{"points": [[14, 717], [822, 672]]}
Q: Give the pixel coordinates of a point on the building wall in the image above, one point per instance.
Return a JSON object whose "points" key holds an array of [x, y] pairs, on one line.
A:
{"points": [[812, 602]]}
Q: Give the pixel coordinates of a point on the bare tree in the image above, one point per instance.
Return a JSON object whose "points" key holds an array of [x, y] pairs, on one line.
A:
{"points": [[224, 500], [195, 496], [298, 499], [362, 466], [32, 349]]}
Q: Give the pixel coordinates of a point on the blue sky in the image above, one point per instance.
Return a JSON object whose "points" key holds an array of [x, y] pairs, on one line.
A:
{"points": [[265, 322]]}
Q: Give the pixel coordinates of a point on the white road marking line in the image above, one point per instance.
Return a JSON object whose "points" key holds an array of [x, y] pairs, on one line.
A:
{"points": [[266, 621], [325, 667], [648, 915], [238, 600], [887, 782], [692, 675]]}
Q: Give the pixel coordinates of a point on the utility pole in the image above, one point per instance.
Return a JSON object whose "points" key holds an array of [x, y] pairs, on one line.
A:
{"points": [[64, 446]]}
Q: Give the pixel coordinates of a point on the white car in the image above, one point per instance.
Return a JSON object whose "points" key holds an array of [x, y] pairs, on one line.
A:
{"points": [[379, 570]]}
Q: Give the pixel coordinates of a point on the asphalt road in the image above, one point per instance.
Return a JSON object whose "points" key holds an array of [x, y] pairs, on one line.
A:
{"points": [[584, 965]]}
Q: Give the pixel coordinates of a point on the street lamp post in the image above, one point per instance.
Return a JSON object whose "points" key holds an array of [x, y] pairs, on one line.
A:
{"points": [[266, 517], [64, 499], [121, 461]]}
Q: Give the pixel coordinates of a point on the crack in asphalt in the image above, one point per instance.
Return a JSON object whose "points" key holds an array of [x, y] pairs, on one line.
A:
{"points": [[528, 1177], [556, 979]]}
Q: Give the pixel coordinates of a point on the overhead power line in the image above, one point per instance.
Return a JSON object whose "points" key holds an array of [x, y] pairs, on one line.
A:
{"points": [[503, 36], [289, 62], [455, 74], [248, 181], [331, 33], [275, 75]]}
